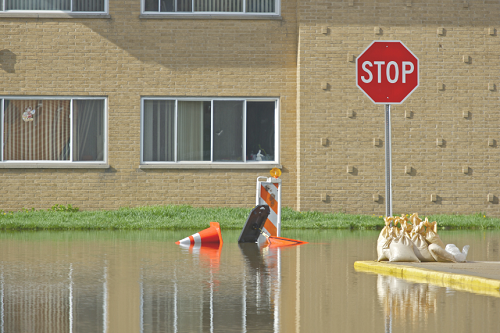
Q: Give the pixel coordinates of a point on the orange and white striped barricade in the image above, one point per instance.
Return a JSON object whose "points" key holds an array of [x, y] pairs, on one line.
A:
{"points": [[269, 193]]}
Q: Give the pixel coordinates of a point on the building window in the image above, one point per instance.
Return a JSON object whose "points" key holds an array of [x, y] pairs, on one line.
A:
{"points": [[212, 130], [211, 6], [53, 129], [60, 5]]}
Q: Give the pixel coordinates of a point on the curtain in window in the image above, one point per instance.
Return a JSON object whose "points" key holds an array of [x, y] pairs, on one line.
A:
{"points": [[158, 131], [88, 138], [88, 5], [38, 5], [228, 131], [190, 131], [218, 6], [78, 5], [43, 134], [260, 6], [235, 6]]}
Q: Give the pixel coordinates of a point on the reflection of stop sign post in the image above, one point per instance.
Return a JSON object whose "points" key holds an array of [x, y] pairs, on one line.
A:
{"points": [[387, 72]]}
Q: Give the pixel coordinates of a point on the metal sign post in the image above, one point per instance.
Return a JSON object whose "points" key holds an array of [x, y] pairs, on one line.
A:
{"points": [[388, 162], [387, 72]]}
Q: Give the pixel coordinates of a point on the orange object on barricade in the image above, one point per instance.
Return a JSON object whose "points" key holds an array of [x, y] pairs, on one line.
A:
{"points": [[274, 241]]}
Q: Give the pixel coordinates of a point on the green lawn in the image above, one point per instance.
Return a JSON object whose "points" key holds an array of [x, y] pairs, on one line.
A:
{"points": [[187, 217]]}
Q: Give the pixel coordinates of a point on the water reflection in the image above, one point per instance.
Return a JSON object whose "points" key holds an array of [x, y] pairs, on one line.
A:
{"points": [[405, 301], [53, 298], [142, 282], [196, 296]]}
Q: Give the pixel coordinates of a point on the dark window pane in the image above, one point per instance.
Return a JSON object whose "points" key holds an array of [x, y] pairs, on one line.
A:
{"points": [[228, 131], [88, 131], [260, 6], [88, 5], [184, 6], [260, 131], [151, 5], [167, 6]]}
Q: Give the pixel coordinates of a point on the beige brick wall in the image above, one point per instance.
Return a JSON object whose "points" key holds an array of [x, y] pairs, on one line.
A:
{"points": [[435, 114], [125, 58]]}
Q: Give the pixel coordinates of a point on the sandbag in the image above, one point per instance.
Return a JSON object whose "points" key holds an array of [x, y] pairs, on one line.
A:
{"points": [[401, 249], [421, 248], [431, 235], [418, 227], [440, 254], [384, 240], [415, 220], [455, 252], [406, 227]]}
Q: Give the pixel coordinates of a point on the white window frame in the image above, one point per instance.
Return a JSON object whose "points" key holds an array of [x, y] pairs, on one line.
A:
{"points": [[54, 13], [55, 164], [217, 15], [210, 164]]}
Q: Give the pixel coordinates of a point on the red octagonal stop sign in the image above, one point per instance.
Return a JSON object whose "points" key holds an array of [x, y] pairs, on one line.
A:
{"points": [[387, 72]]}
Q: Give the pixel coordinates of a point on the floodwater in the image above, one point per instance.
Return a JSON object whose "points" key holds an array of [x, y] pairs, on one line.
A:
{"points": [[141, 281]]}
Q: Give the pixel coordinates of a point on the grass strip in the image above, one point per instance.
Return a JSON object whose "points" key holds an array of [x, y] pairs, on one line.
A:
{"points": [[184, 217]]}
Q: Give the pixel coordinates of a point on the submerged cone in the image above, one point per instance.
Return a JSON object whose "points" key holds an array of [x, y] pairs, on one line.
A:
{"points": [[209, 235]]}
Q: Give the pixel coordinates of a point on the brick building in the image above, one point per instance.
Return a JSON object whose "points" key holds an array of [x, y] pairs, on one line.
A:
{"points": [[113, 103]]}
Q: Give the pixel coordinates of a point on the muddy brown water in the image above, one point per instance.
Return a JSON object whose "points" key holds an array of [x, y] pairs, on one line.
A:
{"points": [[140, 281]]}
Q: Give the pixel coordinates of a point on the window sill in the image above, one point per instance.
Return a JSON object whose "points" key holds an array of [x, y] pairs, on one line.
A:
{"points": [[212, 16], [248, 166], [39, 15], [56, 165]]}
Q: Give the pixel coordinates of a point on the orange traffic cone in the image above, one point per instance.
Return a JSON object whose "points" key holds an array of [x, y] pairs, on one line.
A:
{"points": [[209, 235]]}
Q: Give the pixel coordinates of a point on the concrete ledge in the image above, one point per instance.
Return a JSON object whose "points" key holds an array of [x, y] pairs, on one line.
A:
{"points": [[462, 282]]}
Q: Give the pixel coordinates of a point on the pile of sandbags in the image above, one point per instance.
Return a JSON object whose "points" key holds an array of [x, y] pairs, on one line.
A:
{"points": [[413, 240]]}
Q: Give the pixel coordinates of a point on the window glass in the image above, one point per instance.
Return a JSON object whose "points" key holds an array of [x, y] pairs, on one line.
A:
{"points": [[37, 130], [88, 130], [192, 131], [227, 6], [260, 6], [218, 6], [37, 5], [260, 131], [228, 131], [182, 6], [151, 5], [214, 130], [62, 5], [88, 5], [41, 130]]}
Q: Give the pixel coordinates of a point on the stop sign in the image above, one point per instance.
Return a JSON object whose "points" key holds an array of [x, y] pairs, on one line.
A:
{"points": [[387, 72]]}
